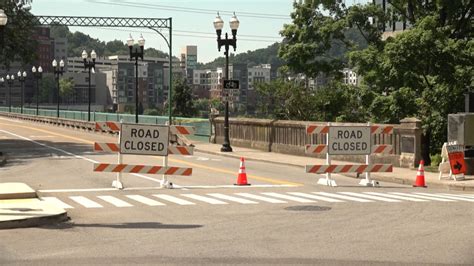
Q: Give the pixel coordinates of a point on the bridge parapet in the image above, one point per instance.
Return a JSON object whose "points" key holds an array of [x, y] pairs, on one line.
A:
{"points": [[290, 137]]}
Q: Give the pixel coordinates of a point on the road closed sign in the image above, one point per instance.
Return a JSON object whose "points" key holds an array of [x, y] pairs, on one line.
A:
{"points": [[349, 140], [144, 139]]}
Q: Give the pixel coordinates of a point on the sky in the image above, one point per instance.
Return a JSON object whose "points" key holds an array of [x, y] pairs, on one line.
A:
{"points": [[260, 21], [192, 21]]}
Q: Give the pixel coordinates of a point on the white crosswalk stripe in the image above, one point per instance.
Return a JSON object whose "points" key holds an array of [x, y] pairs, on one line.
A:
{"points": [[231, 198], [342, 197], [251, 198], [261, 198], [174, 199], [287, 197], [145, 200], [468, 195], [420, 196], [373, 197], [86, 202], [115, 201], [316, 197], [204, 199], [57, 202], [447, 197], [396, 197]]}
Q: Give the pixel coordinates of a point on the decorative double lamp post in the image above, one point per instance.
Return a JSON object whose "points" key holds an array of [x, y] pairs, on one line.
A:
{"points": [[37, 74], [135, 54], [234, 25], [58, 71], [89, 65], [22, 78], [10, 80]]}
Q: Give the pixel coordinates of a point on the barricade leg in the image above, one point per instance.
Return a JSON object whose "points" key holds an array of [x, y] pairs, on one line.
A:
{"points": [[164, 181], [367, 182], [327, 181], [118, 182]]}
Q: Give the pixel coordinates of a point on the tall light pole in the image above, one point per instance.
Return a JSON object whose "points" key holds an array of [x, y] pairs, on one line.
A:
{"points": [[234, 25], [22, 78], [38, 75], [2, 83], [135, 54], [89, 65], [10, 80], [58, 71]]}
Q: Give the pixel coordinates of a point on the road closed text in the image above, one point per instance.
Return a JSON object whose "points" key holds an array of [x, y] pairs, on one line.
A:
{"points": [[144, 139], [143, 146], [349, 140]]}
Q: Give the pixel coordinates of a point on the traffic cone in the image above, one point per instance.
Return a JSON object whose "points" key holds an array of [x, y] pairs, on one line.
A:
{"points": [[242, 177], [420, 175]]}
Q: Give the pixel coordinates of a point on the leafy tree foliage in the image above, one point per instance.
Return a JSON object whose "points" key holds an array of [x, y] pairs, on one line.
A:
{"points": [[420, 72], [16, 43], [182, 99]]}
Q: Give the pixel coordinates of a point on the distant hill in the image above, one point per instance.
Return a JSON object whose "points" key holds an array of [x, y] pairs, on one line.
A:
{"points": [[267, 55]]}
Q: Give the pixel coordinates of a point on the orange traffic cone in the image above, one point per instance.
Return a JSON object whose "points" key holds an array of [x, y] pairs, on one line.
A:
{"points": [[242, 177], [420, 175]]}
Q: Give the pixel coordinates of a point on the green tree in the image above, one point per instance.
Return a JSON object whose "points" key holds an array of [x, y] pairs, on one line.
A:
{"points": [[183, 104], [47, 89], [66, 89], [16, 43]]}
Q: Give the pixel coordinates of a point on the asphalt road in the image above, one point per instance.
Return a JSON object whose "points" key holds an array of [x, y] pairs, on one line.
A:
{"points": [[282, 218]]}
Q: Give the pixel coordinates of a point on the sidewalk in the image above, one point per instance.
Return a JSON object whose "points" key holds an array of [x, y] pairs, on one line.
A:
{"points": [[399, 175], [20, 207]]}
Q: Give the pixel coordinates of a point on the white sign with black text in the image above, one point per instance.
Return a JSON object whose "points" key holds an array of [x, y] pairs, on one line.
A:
{"points": [[349, 140], [144, 139]]}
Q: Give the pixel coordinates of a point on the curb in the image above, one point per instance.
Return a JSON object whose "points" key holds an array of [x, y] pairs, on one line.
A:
{"points": [[389, 179], [34, 222]]}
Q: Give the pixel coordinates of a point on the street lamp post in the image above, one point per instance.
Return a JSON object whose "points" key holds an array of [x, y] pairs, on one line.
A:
{"points": [[10, 80], [22, 78], [135, 54], [58, 71], [38, 74], [2, 81], [234, 25], [89, 65]]}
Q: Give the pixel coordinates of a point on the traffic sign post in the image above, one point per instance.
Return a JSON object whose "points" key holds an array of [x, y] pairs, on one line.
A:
{"points": [[142, 139], [348, 140]]}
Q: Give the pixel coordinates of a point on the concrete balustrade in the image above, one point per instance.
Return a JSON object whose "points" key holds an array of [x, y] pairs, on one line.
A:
{"points": [[290, 137]]}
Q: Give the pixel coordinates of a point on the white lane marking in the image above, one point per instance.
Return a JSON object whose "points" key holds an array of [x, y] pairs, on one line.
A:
{"points": [[342, 197], [56, 201], [96, 189], [237, 187], [468, 195], [287, 197], [72, 154], [305, 195], [40, 136], [231, 198], [145, 200], [174, 199], [369, 197], [419, 196], [204, 199], [262, 198], [218, 160], [86, 202], [396, 197], [453, 197], [202, 159], [115, 201]]}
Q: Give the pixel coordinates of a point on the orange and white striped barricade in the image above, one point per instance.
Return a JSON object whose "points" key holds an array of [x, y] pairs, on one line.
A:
{"points": [[348, 140], [140, 139]]}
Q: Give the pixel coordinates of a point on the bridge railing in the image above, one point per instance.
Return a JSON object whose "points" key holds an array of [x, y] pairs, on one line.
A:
{"points": [[79, 119], [290, 137]]}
